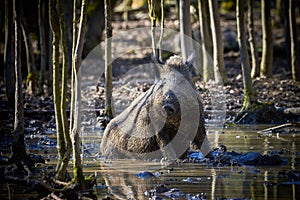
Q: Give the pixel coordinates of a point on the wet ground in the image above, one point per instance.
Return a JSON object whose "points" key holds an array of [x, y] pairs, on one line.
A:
{"points": [[226, 177]]}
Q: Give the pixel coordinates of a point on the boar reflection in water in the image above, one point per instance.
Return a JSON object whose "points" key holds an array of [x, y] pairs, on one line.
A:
{"points": [[163, 121]]}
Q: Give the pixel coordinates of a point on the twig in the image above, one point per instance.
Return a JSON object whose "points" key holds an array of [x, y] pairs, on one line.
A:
{"points": [[55, 196], [241, 116], [61, 183], [292, 111], [272, 129]]}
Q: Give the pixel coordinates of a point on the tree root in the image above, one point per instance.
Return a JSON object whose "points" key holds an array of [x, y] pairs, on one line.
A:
{"points": [[32, 183], [50, 188], [47, 183], [266, 113], [259, 113]]}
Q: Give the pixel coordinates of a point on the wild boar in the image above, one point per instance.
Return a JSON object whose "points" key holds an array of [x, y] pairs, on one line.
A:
{"points": [[163, 122]]}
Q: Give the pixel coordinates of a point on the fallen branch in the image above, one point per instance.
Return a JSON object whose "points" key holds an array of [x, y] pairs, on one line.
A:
{"points": [[274, 128], [292, 111]]}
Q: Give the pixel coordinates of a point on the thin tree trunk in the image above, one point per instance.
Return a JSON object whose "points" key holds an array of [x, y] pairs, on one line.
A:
{"points": [[218, 55], [266, 65], [49, 50], [252, 42], [156, 12], [153, 17], [185, 28], [64, 87], [26, 50], [31, 68], [8, 54], [18, 145], [162, 25], [76, 62], [31, 79], [206, 40], [41, 15], [74, 39], [294, 42], [108, 62], [61, 145], [249, 93], [287, 34]]}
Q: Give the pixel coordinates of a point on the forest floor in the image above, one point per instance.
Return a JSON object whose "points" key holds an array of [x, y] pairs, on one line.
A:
{"points": [[280, 91]]}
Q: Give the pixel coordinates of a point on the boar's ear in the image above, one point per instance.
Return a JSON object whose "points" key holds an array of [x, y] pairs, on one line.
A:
{"points": [[190, 60], [191, 57]]}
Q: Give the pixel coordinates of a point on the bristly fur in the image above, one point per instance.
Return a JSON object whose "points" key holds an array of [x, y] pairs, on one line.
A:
{"points": [[179, 64], [133, 132]]}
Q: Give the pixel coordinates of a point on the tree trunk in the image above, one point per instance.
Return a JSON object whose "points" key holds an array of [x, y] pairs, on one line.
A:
{"points": [[266, 65], [287, 34], [206, 40], [8, 54], [64, 87], [218, 55], [18, 145], [26, 50], [252, 42], [249, 93], [108, 62], [294, 42], [61, 145], [76, 93], [41, 15], [154, 13], [30, 60], [185, 28], [31, 80], [48, 37], [162, 26], [73, 70]]}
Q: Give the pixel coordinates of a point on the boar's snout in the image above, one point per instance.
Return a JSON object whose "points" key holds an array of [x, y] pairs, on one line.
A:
{"points": [[170, 104], [169, 108]]}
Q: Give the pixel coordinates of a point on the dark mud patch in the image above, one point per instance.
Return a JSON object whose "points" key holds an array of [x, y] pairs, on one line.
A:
{"points": [[161, 192], [220, 157]]}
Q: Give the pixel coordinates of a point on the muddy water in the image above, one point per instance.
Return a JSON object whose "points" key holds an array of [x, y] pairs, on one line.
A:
{"points": [[119, 178]]}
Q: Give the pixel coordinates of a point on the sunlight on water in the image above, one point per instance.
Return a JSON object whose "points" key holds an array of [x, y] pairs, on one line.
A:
{"points": [[133, 179], [244, 182]]}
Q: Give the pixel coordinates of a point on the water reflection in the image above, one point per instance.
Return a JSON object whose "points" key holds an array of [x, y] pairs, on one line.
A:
{"points": [[241, 182], [248, 182], [117, 178]]}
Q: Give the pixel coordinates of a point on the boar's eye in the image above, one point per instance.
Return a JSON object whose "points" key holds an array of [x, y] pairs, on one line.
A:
{"points": [[170, 96]]}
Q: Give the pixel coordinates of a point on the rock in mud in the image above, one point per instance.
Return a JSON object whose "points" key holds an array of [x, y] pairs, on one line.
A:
{"points": [[145, 175], [221, 157], [163, 121]]}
